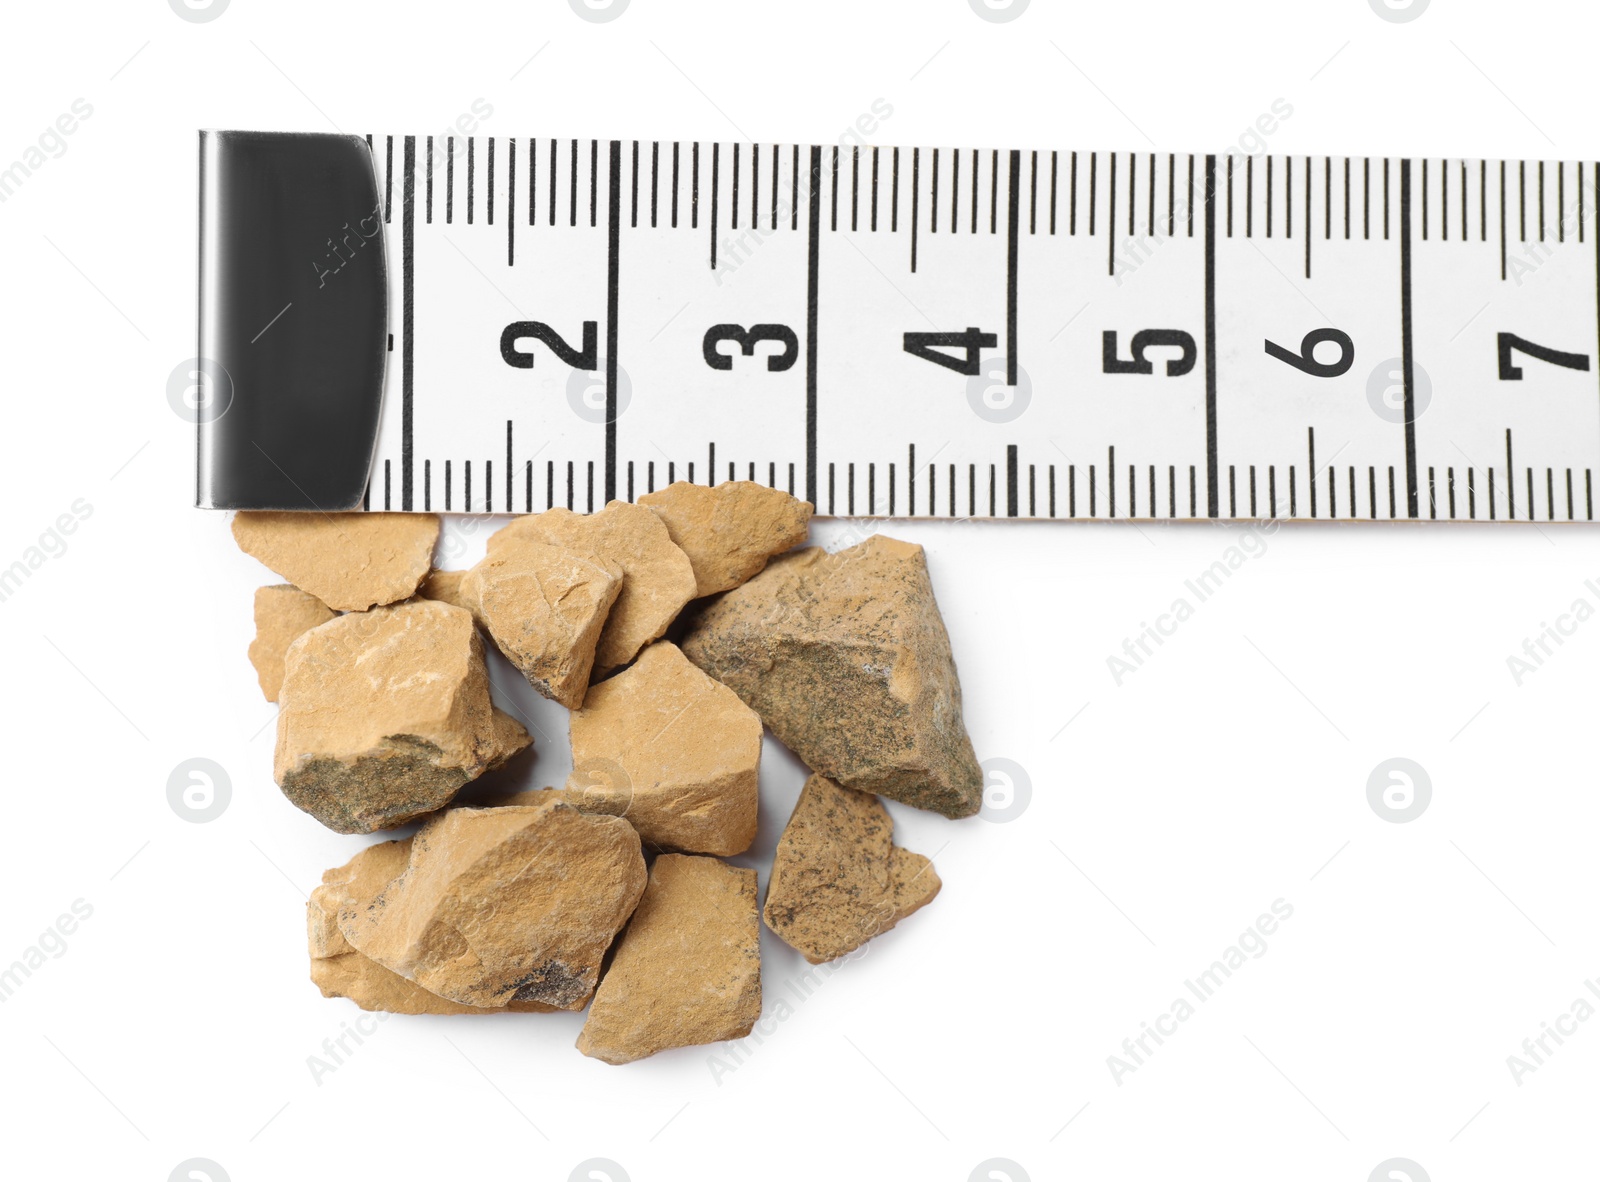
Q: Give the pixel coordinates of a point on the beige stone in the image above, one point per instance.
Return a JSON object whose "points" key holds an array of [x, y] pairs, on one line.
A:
{"points": [[506, 904], [677, 751], [688, 969], [846, 658], [384, 715], [507, 737], [730, 531], [544, 606], [283, 614], [350, 561], [338, 970], [837, 878], [658, 578], [445, 586]]}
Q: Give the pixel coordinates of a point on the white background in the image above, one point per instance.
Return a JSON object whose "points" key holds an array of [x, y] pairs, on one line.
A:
{"points": [[1166, 813]]}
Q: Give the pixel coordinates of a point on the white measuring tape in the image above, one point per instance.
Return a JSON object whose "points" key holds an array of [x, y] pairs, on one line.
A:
{"points": [[936, 332]]}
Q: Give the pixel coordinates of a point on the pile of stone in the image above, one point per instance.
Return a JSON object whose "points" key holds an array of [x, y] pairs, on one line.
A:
{"points": [[611, 891]]}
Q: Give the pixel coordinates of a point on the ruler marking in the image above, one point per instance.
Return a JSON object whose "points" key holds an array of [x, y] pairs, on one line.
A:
{"points": [[794, 190], [694, 186], [1172, 192], [1111, 218], [1366, 198], [812, 259], [955, 190], [511, 220], [1309, 232], [572, 191], [1094, 163], [386, 485], [894, 191], [1269, 196], [472, 143], [1150, 212], [449, 180], [1192, 512], [711, 465], [1011, 272], [1511, 482], [976, 169], [509, 470], [1450, 490], [1211, 335], [1541, 200], [873, 217], [911, 480], [388, 178], [774, 186], [716, 152], [994, 189], [447, 486], [1347, 199], [490, 219], [1033, 194], [527, 495], [1011, 480], [1522, 203], [1249, 196], [1292, 490], [1406, 342], [1233, 506], [430, 181], [674, 185], [1272, 491], [1588, 490], [1229, 186], [408, 219], [933, 197], [733, 197], [1072, 199], [533, 179], [1424, 199], [1172, 490], [916, 168], [1052, 470], [553, 185], [1433, 495], [655, 184], [855, 191], [466, 486], [1569, 495], [1053, 217], [613, 245], [1311, 467], [634, 220], [1191, 196], [594, 179], [1133, 188]]}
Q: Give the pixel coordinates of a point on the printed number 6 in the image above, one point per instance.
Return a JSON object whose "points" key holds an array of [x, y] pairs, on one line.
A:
{"points": [[1306, 360]]}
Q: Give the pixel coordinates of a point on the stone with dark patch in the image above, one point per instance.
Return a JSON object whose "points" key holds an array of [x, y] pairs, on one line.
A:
{"points": [[845, 657]]}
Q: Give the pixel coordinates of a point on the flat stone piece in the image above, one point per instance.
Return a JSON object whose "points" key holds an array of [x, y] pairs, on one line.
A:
{"points": [[507, 736], [838, 879], [730, 531], [506, 904], [658, 578], [544, 606], [673, 751], [350, 561], [688, 969], [338, 970], [385, 715], [283, 614], [445, 586], [846, 658]]}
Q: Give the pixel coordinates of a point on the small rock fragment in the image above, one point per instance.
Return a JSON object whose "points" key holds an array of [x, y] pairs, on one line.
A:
{"points": [[506, 904], [731, 530], [657, 576], [340, 971], [838, 879], [350, 561], [283, 614], [385, 715], [445, 586], [544, 606], [673, 751], [845, 657], [688, 969], [507, 736]]}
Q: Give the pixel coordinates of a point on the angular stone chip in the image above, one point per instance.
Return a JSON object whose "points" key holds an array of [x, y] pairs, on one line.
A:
{"points": [[730, 531], [283, 613], [673, 751], [688, 969], [838, 879], [506, 904], [385, 714], [350, 561], [846, 658]]}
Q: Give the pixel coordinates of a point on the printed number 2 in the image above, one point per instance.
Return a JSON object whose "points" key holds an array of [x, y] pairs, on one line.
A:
{"points": [[586, 358]]}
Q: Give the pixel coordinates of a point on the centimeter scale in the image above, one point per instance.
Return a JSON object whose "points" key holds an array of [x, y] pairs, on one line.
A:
{"points": [[506, 324]]}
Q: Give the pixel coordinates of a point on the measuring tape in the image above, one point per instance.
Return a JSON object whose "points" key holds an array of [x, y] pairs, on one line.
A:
{"points": [[506, 324]]}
